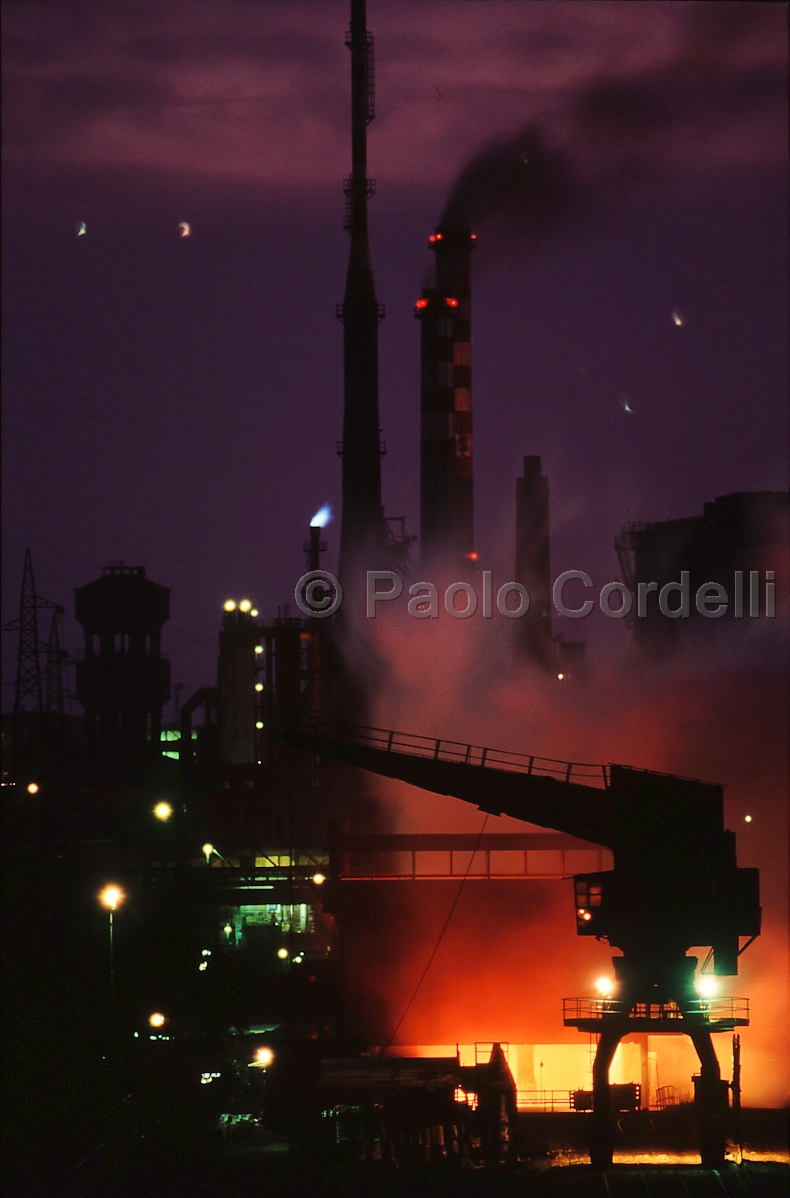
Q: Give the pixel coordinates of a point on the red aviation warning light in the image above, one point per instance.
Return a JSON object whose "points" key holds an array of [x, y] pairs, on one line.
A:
{"points": [[451, 303], [422, 303]]}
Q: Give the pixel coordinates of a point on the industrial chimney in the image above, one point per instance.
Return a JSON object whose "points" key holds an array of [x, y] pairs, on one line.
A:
{"points": [[446, 497], [532, 633], [362, 525]]}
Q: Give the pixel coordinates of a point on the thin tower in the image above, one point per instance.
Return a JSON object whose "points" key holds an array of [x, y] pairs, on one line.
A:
{"points": [[362, 526]]}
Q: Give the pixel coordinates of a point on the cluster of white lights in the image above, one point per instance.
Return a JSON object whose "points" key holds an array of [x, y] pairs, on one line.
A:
{"points": [[244, 606], [207, 1078]]}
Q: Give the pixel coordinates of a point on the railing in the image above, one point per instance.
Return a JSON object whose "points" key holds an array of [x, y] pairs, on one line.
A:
{"points": [[667, 1096], [709, 1011], [456, 752], [544, 1100]]}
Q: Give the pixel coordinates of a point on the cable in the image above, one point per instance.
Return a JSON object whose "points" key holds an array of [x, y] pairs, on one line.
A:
{"points": [[439, 941]]}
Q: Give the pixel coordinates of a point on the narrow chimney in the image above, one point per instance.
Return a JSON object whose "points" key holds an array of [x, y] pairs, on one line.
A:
{"points": [[362, 526], [446, 480], [532, 632]]}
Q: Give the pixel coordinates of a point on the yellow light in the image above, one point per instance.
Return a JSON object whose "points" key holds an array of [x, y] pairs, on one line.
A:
{"points": [[264, 1056], [208, 849], [157, 1019], [32, 788], [163, 811], [319, 879], [228, 929], [259, 648], [747, 819], [229, 605], [245, 605], [258, 725], [583, 913], [706, 986], [282, 953], [259, 686], [560, 676], [254, 612], [111, 897], [604, 986]]}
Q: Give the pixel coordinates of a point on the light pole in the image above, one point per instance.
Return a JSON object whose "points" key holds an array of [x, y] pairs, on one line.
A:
{"points": [[111, 898]]}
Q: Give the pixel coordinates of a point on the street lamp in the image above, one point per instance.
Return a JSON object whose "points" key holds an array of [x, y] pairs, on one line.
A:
{"points": [[163, 811], [209, 851], [111, 898]]}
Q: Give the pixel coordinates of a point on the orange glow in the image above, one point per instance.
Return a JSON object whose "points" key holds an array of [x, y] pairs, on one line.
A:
{"points": [[473, 236], [422, 303], [613, 717], [111, 896], [32, 788], [451, 303], [432, 237], [438, 236], [473, 557]]}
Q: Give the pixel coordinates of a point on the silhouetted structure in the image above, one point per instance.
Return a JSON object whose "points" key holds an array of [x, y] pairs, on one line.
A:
{"points": [[446, 477], [123, 681], [533, 642], [532, 633], [675, 884], [236, 682], [734, 543], [362, 528]]}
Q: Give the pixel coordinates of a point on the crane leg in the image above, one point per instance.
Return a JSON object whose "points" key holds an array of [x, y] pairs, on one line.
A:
{"points": [[603, 1126], [710, 1102]]}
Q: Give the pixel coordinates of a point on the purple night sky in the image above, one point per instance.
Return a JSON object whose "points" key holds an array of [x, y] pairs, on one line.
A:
{"points": [[176, 402]]}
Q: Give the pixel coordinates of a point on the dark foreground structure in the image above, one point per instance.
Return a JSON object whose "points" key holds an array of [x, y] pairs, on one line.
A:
{"points": [[675, 883]]}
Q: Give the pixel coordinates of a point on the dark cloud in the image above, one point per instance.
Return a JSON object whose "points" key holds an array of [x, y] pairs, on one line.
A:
{"points": [[623, 129], [521, 177]]}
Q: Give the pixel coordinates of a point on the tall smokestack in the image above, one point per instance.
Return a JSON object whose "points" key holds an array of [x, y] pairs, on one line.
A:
{"points": [[446, 499], [362, 526], [533, 632]]}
